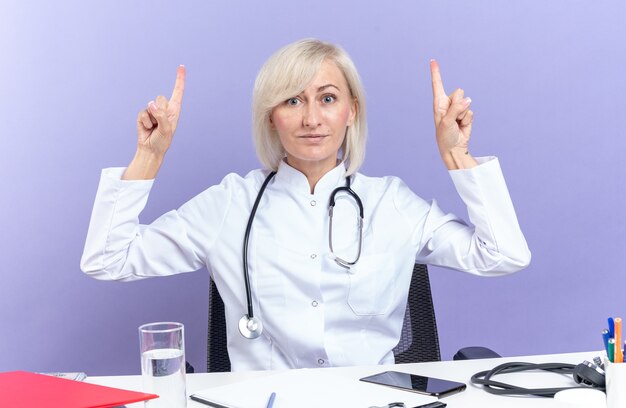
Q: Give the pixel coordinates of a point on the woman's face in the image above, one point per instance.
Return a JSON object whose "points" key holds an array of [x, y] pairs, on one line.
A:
{"points": [[312, 125]]}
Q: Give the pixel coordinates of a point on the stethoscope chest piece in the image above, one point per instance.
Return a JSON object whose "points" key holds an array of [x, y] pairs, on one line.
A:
{"points": [[250, 328]]}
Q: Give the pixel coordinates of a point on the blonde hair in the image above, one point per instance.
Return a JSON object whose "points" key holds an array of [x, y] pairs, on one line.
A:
{"points": [[286, 74]]}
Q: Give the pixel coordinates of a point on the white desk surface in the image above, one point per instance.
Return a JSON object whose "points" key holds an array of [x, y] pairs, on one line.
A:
{"points": [[460, 371]]}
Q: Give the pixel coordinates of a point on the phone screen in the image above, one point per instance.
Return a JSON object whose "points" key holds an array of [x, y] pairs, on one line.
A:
{"points": [[416, 383]]}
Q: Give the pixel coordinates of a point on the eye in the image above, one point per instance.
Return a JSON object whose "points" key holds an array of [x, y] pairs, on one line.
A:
{"points": [[293, 101], [329, 99]]}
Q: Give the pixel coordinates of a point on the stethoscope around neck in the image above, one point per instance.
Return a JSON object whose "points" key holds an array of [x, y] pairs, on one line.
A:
{"points": [[251, 326]]}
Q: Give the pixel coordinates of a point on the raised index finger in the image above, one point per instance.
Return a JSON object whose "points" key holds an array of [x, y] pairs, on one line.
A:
{"points": [[438, 90], [179, 86]]}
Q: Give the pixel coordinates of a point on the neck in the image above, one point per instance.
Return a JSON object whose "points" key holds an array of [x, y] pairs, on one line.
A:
{"points": [[313, 171]]}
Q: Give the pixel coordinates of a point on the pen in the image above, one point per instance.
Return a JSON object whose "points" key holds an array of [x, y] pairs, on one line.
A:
{"points": [[611, 327], [432, 405], [605, 339], [619, 358], [205, 401], [611, 354], [270, 402]]}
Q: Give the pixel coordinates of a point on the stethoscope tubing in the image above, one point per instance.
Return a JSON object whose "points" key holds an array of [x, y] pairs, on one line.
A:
{"points": [[246, 238], [349, 190], [331, 205]]}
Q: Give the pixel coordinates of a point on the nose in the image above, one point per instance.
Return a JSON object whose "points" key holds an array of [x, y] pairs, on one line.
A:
{"points": [[311, 116]]}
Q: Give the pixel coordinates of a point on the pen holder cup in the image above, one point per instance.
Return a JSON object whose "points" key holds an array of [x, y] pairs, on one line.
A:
{"points": [[615, 384]]}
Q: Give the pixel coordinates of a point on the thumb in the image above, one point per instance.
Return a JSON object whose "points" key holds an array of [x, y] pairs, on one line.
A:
{"points": [[160, 115], [458, 104]]}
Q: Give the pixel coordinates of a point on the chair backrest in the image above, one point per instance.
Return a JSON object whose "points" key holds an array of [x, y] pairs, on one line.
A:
{"points": [[419, 341], [217, 353]]}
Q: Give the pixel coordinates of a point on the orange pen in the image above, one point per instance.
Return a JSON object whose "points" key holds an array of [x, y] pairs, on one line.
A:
{"points": [[619, 355]]}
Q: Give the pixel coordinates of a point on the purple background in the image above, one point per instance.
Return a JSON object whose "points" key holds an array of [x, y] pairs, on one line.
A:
{"points": [[547, 80]]}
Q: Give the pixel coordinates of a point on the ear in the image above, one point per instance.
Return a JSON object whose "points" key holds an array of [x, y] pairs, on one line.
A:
{"points": [[354, 109], [271, 122]]}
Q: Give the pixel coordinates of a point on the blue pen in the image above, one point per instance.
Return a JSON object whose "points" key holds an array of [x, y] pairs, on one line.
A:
{"points": [[605, 337], [611, 328], [270, 402]]}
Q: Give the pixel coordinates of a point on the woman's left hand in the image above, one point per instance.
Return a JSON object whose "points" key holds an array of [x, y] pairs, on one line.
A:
{"points": [[453, 123]]}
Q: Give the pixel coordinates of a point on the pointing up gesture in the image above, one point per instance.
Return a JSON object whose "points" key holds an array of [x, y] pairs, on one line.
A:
{"points": [[155, 129], [453, 123]]}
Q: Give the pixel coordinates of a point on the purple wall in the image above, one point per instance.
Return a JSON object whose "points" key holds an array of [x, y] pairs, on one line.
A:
{"points": [[546, 78]]}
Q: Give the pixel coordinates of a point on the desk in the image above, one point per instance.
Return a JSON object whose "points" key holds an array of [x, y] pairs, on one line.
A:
{"points": [[451, 370]]}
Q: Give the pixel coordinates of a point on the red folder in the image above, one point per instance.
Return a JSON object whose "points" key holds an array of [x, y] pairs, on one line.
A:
{"points": [[21, 389]]}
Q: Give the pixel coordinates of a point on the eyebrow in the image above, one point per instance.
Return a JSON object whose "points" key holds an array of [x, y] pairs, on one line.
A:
{"points": [[324, 87], [321, 88]]}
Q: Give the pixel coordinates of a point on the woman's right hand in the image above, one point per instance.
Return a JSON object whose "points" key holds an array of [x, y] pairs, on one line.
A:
{"points": [[155, 128]]}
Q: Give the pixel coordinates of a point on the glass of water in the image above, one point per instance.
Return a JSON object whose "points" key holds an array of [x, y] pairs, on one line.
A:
{"points": [[162, 348]]}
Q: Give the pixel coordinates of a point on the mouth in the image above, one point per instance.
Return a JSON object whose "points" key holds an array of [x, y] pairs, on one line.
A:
{"points": [[313, 136]]}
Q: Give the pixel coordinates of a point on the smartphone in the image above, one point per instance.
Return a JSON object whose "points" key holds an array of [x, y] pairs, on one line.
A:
{"points": [[416, 383]]}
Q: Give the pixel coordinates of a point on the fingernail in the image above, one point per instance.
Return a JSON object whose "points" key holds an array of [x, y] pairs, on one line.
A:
{"points": [[468, 100], [153, 106]]}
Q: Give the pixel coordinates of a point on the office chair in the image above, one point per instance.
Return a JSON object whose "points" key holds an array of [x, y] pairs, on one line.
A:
{"points": [[419, 341], [217, 353]]}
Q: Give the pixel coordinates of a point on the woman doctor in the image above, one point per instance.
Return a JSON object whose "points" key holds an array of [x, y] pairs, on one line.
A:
{"points": [[317, 306]]}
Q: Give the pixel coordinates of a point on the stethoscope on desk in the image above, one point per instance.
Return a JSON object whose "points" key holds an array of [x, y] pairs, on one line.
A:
{"points": [[250, 326]]}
